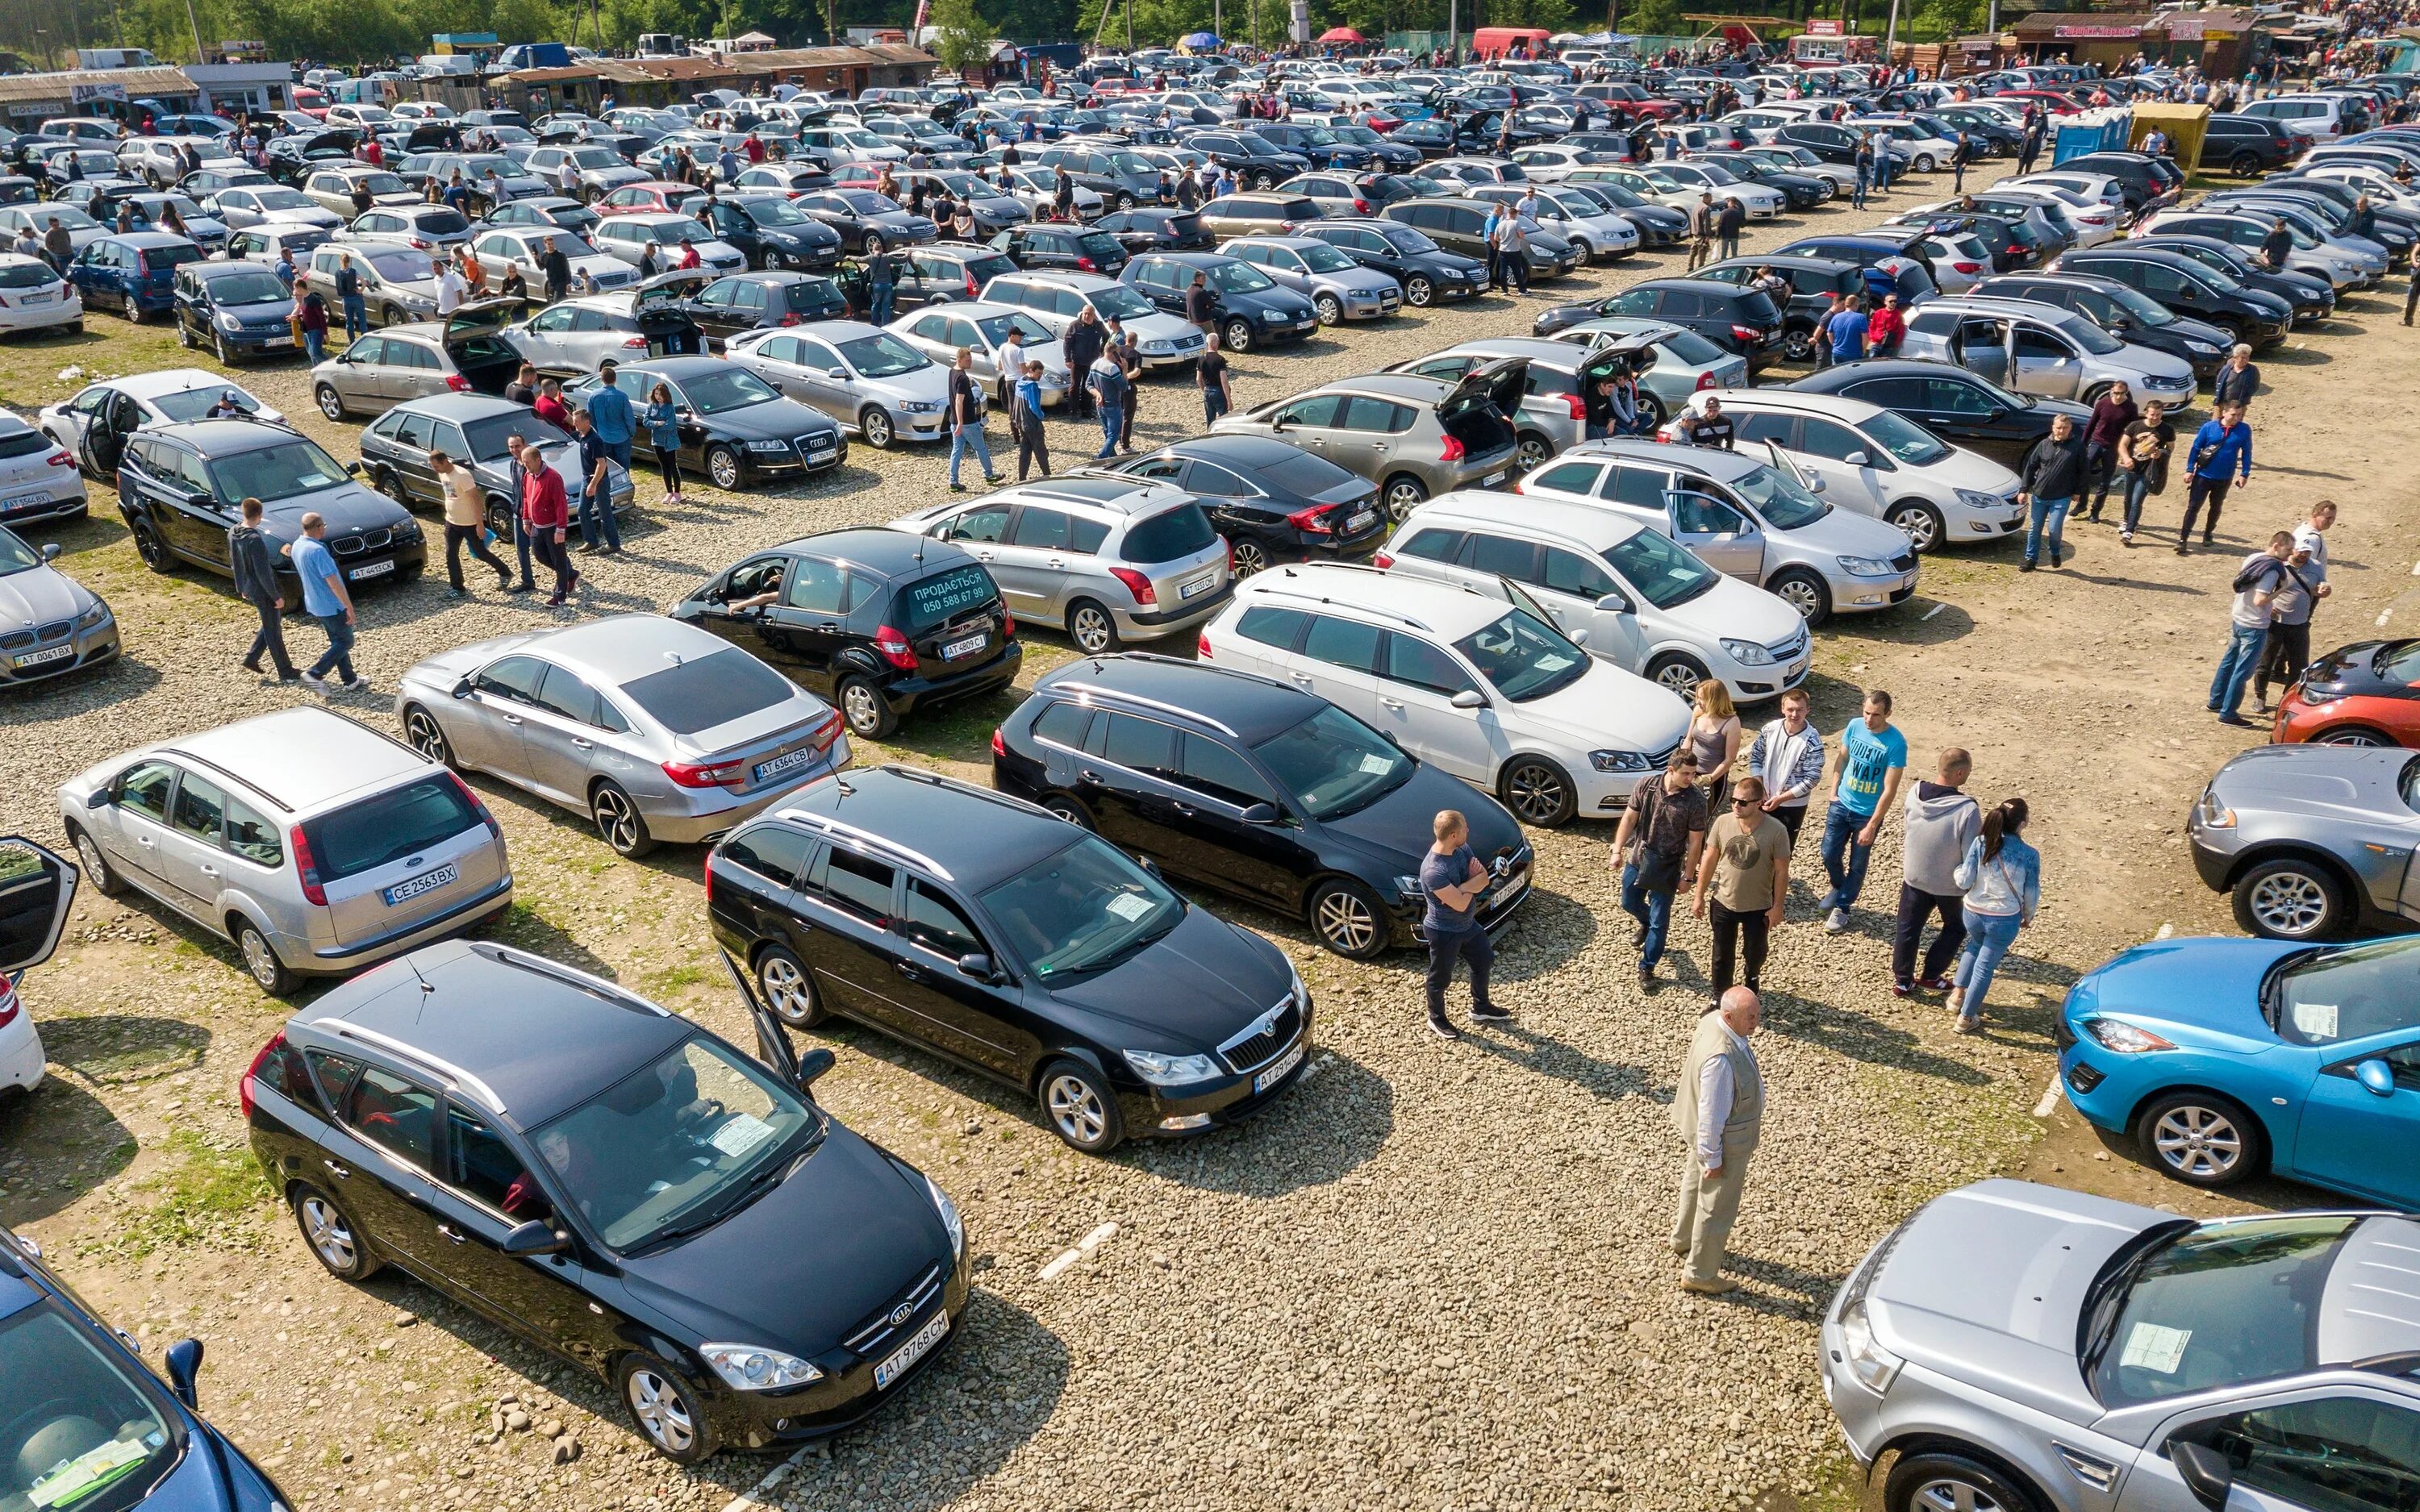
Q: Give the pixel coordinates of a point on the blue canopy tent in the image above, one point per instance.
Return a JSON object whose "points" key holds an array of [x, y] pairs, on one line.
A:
{"points": [[1201, 42]]}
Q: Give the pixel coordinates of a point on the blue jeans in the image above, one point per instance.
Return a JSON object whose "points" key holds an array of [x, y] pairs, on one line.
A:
{"points": [[1113, 420], [1214, 404], [1844, 859], [2049, 516], [2236, 666], [2138, 487], [881, 295], [1988, 938], [1857, 193], [357, 318], [1653, 909], [963, 436], [339, 653], [594, 509], [314, 344]]}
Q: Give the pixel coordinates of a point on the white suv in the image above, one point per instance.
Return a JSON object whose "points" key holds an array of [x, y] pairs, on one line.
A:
{"points": [[1477, 683]]}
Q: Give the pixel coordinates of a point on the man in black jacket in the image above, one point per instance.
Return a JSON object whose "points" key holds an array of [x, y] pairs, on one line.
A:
{"points": [[256, 581], [1084, 342], [557, 268], [2052, 480]]}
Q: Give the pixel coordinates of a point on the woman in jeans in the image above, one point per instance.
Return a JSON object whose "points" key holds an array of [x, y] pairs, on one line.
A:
{"points": [[663, 434], [2002, 875]]}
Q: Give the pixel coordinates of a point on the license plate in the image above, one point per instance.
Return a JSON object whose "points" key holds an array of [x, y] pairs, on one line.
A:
{"points": [[1198, 585], [35, 299], [780, 764], [411, 887], [1278, 1072], [911, 1351], [1361, 521], [24, 501], [1791, 673], [278, 341], [372, 569], [964, 648], [1494, 478], [826, 455], [54, 654]]}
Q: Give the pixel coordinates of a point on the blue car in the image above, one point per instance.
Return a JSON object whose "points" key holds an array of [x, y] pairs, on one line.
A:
{"points": [[2225, 1057], [237, 309], [133, 273], [87, 1429]]}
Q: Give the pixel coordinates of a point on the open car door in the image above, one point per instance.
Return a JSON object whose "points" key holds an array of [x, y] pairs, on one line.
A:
{"points": [[103, 444], [37, 889]]}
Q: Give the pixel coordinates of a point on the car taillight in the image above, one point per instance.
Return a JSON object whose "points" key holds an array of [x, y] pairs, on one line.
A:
{"points": [[790, 319], [1086, 264], [1579, 406], [9, 1006], [1747, 333], [1705, 381], [971, 284], [707, 775], [1360, 206], [1007, 625], [476, 807], [1663, 433], [1201, 649], [1312, 520], [424, 246], [1383, 559], [893, 648], [998, 742], [243, 1083], [1451, 451], [635, 343], [58, 459], [1967, 268], [306, 869], [1137, 584], [457, 383]]}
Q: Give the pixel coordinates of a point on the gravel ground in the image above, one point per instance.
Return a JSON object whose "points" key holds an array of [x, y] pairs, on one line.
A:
{"points": [[1432, 1276]]}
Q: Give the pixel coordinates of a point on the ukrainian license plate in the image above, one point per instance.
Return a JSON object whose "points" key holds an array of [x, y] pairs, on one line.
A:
{"points": [[24, 501], [822, 453], [274, 342], [780, 764], [411, 887], [1198, 585], [34, 298], [54, 654], [1361, 521], [372, 569], [1790, 674], [964, 648], [1278, 1072], [1494, 478], [911, 1351]]}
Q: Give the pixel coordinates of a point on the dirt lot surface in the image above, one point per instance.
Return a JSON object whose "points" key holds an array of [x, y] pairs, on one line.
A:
{"points": [[1433, 1277]]}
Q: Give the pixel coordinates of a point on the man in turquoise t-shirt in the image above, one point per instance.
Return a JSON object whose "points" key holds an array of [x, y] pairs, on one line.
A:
{"points": [[1872, 762]]}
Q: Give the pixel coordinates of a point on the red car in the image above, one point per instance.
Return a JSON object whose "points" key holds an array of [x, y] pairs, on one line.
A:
{"points": [[2364, 694], [654, 195]]}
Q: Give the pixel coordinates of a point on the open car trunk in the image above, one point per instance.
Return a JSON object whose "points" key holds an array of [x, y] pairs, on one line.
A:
{"points": [[488, 362], [1476, 413]]}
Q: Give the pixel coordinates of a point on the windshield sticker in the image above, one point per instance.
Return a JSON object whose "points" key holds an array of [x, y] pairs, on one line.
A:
{"points": [[742, 1133], [95, 1466], [1129, 905], [1374, 764], [2155, 1347], [2317, 1021], [1553, 661]]}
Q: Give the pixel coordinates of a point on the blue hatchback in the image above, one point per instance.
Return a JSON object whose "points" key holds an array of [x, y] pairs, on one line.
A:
{"points": [[87, 1429], [133, 273], [2223, 1058]]}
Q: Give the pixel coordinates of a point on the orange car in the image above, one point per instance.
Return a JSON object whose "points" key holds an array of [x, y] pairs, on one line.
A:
{"points": [[2364, 694]]}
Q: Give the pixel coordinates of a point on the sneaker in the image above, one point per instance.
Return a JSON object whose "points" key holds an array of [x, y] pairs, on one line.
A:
{"points": [[1491, 1014], [2237, 720], [2025, 567], [957, 487], [1837, 923], [317, 683], [2125, 537], [1444, 1030], [522, 588], [2261, 705], [1901, 989], [252, 667], [1933, 984], [359, 684], [995, 478], [1719, 1285], [1967, 1025]]}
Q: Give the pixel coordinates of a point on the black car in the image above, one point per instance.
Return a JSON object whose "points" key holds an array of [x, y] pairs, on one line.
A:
{"points": [[735, 427], [771, 231], [2248, 145], [2312, 299], [1078, 249], [1428, 272], [2122, 311], [1994, 132], [2189, 288], [178, 488], [615, 1183], [1003, 938], [1248, 307], [291, 159], [1323, 147], [1894, 258], [1461, 226], [1259, 163], [1242, 783], [946, 273], [2394, 227], [472, 429], [1959, 406], [1741, 321], [737, 302], [236, 309], [877, 623], [1659, 225], [1813, 283], [1804, 192], [1151, 229], [1432, 138], [1832, 143], [1273, 502], [867, 221], [2144, 181]]}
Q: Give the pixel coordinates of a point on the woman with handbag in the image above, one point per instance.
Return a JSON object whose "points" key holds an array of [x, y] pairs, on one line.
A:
{"points": [[2002, 875]]}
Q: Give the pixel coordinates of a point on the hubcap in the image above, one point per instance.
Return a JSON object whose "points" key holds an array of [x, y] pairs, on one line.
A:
{"points": [[614, 819], [257, 957], [2198, 1141], [1681, 678], [1954, 1496], [1345, 922], [1418, 291], [2290, 903], [1536, 792], [1802, 596], [657, 1405], [2351, 737], [1092, 629], [785, 989], [426, 737], [1917, 523], [857, 701], [91, 854], [329, 1235], [1076, 1110], [878, 430]]}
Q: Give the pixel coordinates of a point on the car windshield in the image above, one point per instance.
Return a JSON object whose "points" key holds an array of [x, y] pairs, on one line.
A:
{"points": [[268, 473], [15, 555], [403, 264], [1407, 241], [486, 438], [2091, 337], [1525, 658], [383, 183], [726, 389], [685, 228], [91, 1439], [281, 199], [1904, 439], [2327, 996], [1333, 765], [246, 288], [30, 274], [1322, 258], [675, 1145], [708, 691], [1238, 278], [1119, 302], [774, 212], [866, 202], [1082, 910], [882, 355], [1782, 499], [2204, 1308], [1661, 571], [995, 329]]}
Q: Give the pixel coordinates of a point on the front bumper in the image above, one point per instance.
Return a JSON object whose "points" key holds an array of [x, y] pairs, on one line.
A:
{"points": [[2214, 866], [43, 660], [1174, 1112], [846, 1395], [1370, 306], [369, 569], [790, 459], [1863, 595]]}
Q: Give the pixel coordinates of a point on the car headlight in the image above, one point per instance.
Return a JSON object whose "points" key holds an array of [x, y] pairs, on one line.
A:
{"points": [[2200, 348], [1409, 889], [229, 323], [1875, 1367], [950, 1219], [1748, 654], [922, 406], [1618, 761], [769, 447], [746, 1367], [1170, 1070], [1976, 499], [1160, 347], [2211, 814], [1865, 567], [407, 531], [2309, 693], [2125, 1039], [97, 615]]}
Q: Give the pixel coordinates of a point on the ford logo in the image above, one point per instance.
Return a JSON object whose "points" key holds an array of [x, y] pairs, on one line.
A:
{"points": [[900, 1314]]}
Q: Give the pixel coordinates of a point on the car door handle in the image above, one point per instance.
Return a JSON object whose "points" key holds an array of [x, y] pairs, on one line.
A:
{"points": [[512, 719], [145, 842], [340, 1172], [1396, 704], [583, 744], [1056, 561], [453, 1233], [1183, 807], [910, 970], [1304, 678], [1090, 776], [209, 871]]}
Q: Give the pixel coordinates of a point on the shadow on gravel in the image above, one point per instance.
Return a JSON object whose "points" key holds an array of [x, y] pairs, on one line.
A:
{"points": [[1315, 1131], [1534, 1050], [2299, 357], [121, 1049], [55, 1146], [1547, 915], [1808, 1291], [1860, 1038], [1928, 626], [72, 697]]}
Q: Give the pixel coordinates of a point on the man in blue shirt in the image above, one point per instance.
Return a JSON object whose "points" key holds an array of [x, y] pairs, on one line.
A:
{"points": [[608, 409], [1873, 761], [1451, 882], [1848, 329], [2219, 459], [324, 599], [591, 496]]}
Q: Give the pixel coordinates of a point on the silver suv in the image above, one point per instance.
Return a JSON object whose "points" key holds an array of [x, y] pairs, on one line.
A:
{"points": [[1414, 437], [2041, 349], [1112, 558], [316, 844], [1339, 288]]}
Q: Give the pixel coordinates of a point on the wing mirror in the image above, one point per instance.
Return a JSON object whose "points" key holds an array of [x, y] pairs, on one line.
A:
{"points": [[1615, 604], [976, 965], [2205, 1473], [535, 1237], [1260, 814], [184, 1368], [814, 1064], [1859, 459], [1470, 698], [2375, 1075], [51, 550]]}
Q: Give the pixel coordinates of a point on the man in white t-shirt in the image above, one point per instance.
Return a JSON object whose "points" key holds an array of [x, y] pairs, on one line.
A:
{"points": [[450, 288]]}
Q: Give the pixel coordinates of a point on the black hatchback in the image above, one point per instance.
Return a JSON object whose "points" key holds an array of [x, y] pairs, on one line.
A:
{"points": [[1150, 228], [1274, 502], [1004, 939], [1078, 249], [1741, 321], [658, 1207], [737, 302], [1242, 783], [876, 622]]}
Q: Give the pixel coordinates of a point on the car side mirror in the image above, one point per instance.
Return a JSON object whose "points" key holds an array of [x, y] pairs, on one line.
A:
{"points": [[1470, 698], [2375, 1075], [2205, 1473], [184, 1368], [976, 965], [814, 1064], [51, 550], [1859, 459], [537, 1237], [1260, 814], [1614, 603]]}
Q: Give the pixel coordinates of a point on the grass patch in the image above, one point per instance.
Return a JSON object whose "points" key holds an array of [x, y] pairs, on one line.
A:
{"points": [[671, 979], [210, 1192]]}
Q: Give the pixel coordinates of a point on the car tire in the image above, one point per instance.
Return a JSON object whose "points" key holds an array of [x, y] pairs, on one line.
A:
{"points": [[225, 353], [1919, 520], [2200, 1138], [2243, 164], [1802, 591], [1093, 628], [788, 988], [331, 1237], [1404, 493], [1798, 346], [873, 424], [1419, 292], [1531, 452], [331, 404], [1071, 809], [1348, 920], [862, 705], [665, 1409], [153, 550], [1538, 792], [260, 961], [872, 243], [1080, 1106], [2292, 898], [1677, 674], [423, 734], [1237, 335], [1126, 202], [1923, 163], [1264, 179], [2353, 734], [390, 483], [186, 338], [1329, 309], [722, 468], [96, 866], [619, 824], [1652, 412], [1251, 556], [1938, 1480]]}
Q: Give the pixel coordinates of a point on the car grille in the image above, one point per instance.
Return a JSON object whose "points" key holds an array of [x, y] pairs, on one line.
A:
{"points": [[353, 546], [20, 639], [1904, 561], [879, 1329], [1260, 1046], [1784, 649], [813, 443], [1658, 760]]}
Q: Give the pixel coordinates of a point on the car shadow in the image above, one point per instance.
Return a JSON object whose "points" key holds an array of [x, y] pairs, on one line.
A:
{"points": [[55, 1146], [1333, 1119], [123, 1049], [1938, 622], [77, 694]]}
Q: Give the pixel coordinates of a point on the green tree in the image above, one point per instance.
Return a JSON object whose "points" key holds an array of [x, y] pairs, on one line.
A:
{"points": [[961, 39]]}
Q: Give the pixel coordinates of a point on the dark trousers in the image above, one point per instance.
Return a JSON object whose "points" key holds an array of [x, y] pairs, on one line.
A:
{"points": [[1080, 395], [2412, 296], [2099, 461], [1793, 819], [556, 555], [1032, 447], [2283, 659], [521, 536], [1729, 928], [1729, 245], [339, 654], [669, 461], [1915, 908], [459, 536], [271, 638], [2204, 490], [1445, 948]]}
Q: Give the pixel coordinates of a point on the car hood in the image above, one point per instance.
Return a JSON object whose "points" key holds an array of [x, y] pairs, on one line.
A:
{"points": [[2349, 669], [1846, 532], [1740, 610], [446, 668], [40, 594], [803, 1266], [1199, 985], [1962, 469], [302, 215], [2220, 979], [267, 311], [2346, 784], [1388, 830], [348, 506], [1986, 1286], [1609, 709], [773, 419]]}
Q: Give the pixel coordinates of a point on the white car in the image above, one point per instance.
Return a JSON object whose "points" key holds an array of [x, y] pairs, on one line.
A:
{"points": [[1925, 151], [39, 480], [1762, 204], [247, 207], [1038, 190], [1629, 593], [628, 236], [80, 227], [1597, 234], [870, 381], [1163, 340], [1476, 680], [21, 1060], [2094, 219], [2313, 117], [2081, 188], [1554, 161], [32, 297], [2377, 183], [432, 228], [165, 398], [501, 249]]}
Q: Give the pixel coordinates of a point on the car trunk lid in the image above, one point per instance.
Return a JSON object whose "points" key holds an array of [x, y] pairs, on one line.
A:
{"points": [[401, 856]]}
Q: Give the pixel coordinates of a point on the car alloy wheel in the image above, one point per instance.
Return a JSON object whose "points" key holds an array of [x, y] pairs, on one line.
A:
{"points": [[1347, 920], [1798, 346], [2286, 900], [866, 710], [1677, 674], [96, 869], [1404, 494], [420, 728], [2352, 736], [186, 338], [389, 315], [1251, 557], [2198, 1142], [872, 243], [877, 429], [1530, 454], [330, 1234], [1804, 591], [1419, 292], [1082, 1110], [1330, 310], [1954, 1492], [1091, 628], [1921, 523], [1537, 791], [722, 468], [1239, 336], [660, 1405], [390, 483], [618, 822], [1069, 809], [788, 990], [1924, 164], [331, 404], [153, 550]]}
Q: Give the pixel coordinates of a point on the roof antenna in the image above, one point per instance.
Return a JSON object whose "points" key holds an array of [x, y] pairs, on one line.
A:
{"points": [[427, 987]]}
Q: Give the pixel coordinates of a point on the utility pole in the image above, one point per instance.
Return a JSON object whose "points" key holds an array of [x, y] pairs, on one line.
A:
{"points": [[1453, 31], [194, 21], [1890, 34]]}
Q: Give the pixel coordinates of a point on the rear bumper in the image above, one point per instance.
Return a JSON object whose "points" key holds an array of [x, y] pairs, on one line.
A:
{"points": [[62, 498], [1156, 623], [915, 692], [42, 316], [339, 959], [695, 816], [21, 1056]]}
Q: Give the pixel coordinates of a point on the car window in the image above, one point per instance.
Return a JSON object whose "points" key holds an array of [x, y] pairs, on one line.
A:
{"points": [[145, 790], [1949, 397], [1137, 743], [563, 693], [1502, 555], [936, 924], [1318, 411], [817, 587], [1341, 643], [1832, 441], [1064, 724], [1046, 529], [1278, 628], [1210, 768], [1414, 661], [1568, 572], [394, 1113], [199, 810], [1380, 416], [985, 524], [773, 852], [854, 884], [482, 1166], [247, 834], [1565, 477], [515, 677]]}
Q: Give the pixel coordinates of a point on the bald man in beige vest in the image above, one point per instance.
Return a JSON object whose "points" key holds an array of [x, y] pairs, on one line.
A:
{"points": [[1719, 1107]]}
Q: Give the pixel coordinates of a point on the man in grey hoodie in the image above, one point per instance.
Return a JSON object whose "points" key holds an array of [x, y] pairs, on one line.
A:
{"points": [[1941, 822], [255, 560]]}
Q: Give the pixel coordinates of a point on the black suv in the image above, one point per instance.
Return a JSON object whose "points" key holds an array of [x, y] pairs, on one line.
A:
{"points": [[1249, 308], [877, 623], [615, 1184], [1428, 272], [1741, 321], [180, 486], [1259, 163], [1002, 938], [1960, 407], [1323, 147], [737, 302], [771, 232], [1242, 783], [1273, 502], [1077, 249], [1813, 283], [2192, 290], [2248, 145]]}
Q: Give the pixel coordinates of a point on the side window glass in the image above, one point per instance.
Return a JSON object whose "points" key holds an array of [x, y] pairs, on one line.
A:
{"points": [[1212, 768], [1278, 628], [2337, 1454], [1043, 530], [250, 836], [857, 884], [1568, 572], [335, 1073], [483, 1168], [1566, 477], [1064, 724], [817, 587], [515, 678], [1139, 746], [1434, 545], [2042, 345], [1346, 643], [563, 693], [1695, 514], [199, 812], [395, 1115], [1421, 664], [1773, 428], [1317, 411], [1086, 535], [1503, 557], [1949, 397], [772, 852], [933, 922], [145, 790], [986, 526], [1835, 442]]}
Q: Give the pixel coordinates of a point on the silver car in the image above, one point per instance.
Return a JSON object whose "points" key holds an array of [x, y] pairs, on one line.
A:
{"points": [[1058, 299], [464, 353], [50, 623], [863, 376], [399, 282], [2041, 349], [628, 237], [38, 476], [1596, 232], [2313, 841], [1112, 558], [315, 843], [1339, 288], [262, 243], [1551, 417], [982, 328], [432, 228], [332, 188], [577, 335], [1412, 437], [656, 730], [502, 250], [249, 207], [596, 171], [2026, 1349]]}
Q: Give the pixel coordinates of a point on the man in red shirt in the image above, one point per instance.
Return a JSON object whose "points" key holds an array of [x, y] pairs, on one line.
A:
{"points": [[545, 513], [689, 257], [755, 148], [1885, 327]]}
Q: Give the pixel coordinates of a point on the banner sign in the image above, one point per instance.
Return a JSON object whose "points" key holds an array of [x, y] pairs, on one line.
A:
{"points": [[2081, 33]]}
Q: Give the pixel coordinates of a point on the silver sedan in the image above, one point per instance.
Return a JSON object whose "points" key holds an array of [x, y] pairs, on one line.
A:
{"points": [[863, 377], [983, 329], [657, 730]]}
